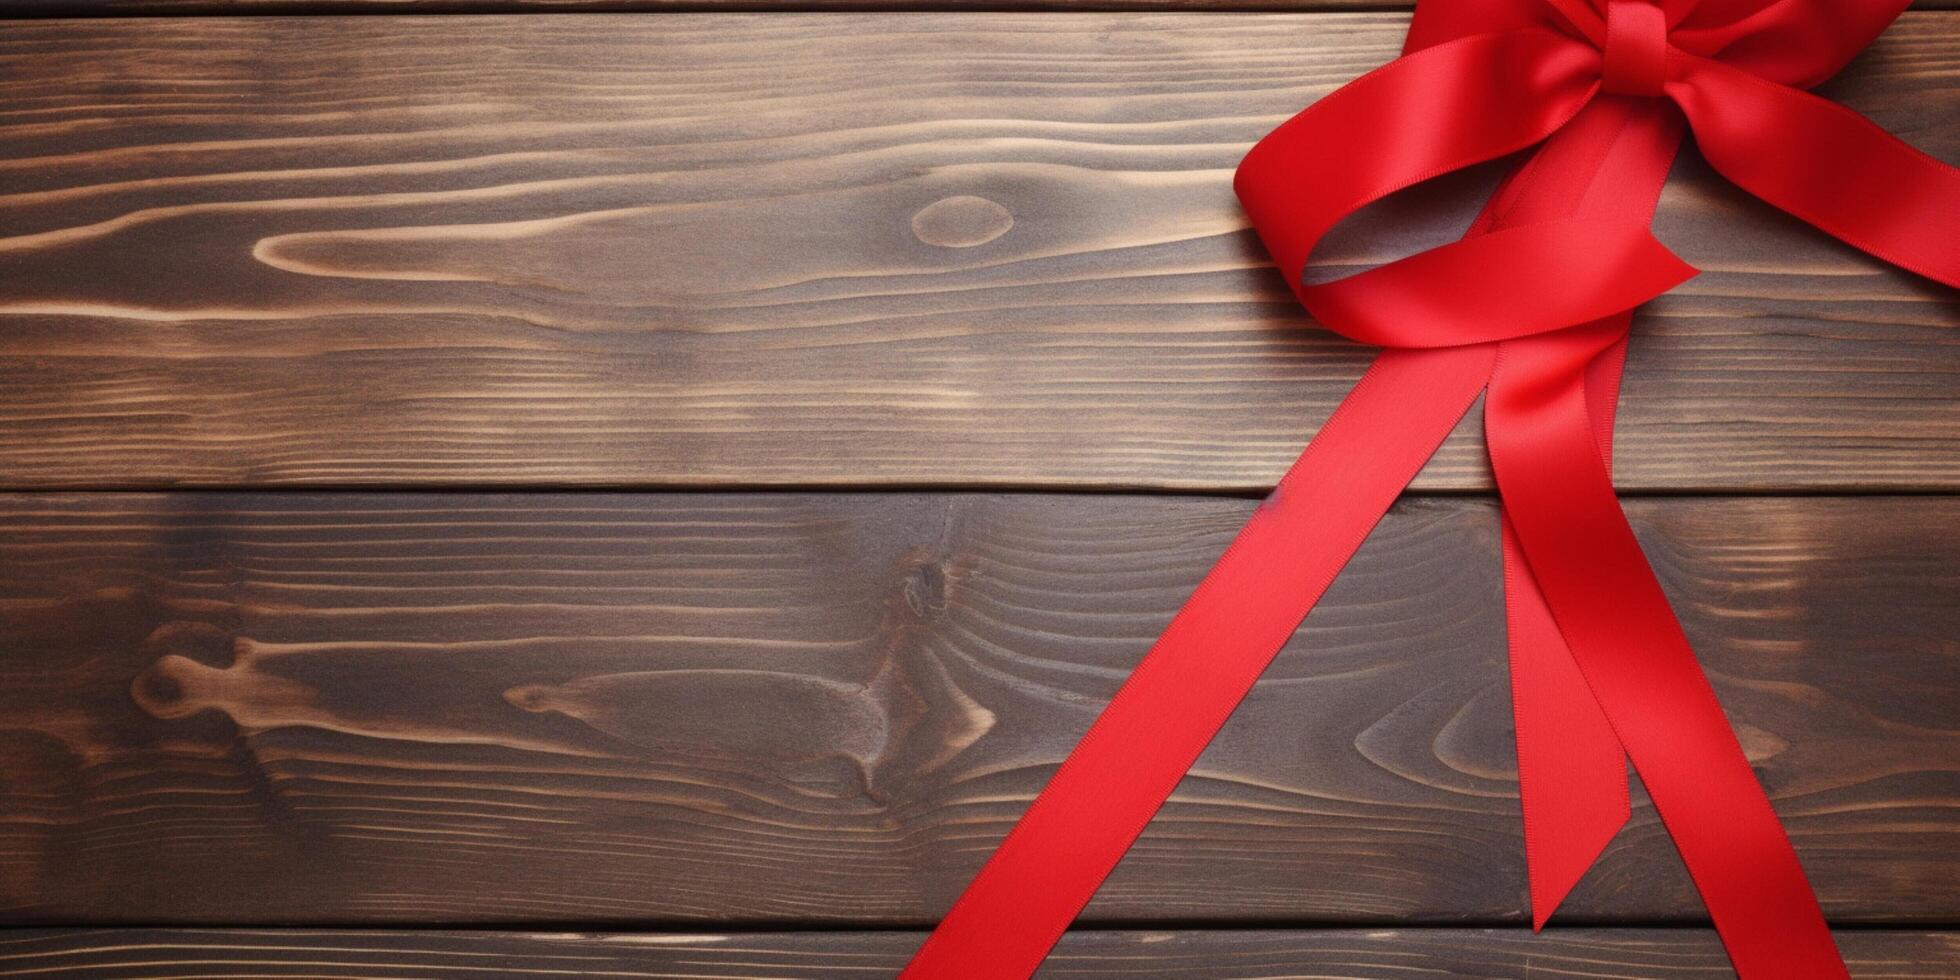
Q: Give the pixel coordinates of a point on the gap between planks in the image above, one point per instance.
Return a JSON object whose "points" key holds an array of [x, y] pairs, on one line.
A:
{"points": [[182, 8]]}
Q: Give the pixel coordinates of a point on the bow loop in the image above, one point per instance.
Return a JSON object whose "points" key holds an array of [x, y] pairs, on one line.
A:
{"points": [[1790, 42], [1826, 164], [1489, 287]]}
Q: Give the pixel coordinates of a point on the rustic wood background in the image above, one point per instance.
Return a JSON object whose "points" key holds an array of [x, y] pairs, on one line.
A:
{"points": [[656, 494]]}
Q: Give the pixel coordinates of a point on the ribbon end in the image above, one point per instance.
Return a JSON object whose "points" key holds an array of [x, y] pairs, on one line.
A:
{"points": [[1556, 869], [1572, 773]]}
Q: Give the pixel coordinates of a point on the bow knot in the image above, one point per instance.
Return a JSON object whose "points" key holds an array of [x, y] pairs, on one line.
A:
{"points": [[1635, 49]]}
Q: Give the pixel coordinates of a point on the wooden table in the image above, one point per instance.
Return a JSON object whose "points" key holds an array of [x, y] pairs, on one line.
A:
{"points": [[637, 494]]}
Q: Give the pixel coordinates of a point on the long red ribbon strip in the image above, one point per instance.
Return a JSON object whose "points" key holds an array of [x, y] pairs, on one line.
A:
{"points": [[1534, 305], [1203, 665]]}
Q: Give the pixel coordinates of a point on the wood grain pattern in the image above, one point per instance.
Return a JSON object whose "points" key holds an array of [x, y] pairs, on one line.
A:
{"points": [[948, 250], [128, 8], [775, 708], [1424, 954], [176, 8]]}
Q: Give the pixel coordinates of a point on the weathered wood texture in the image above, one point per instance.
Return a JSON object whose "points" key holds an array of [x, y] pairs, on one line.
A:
{"points": [[127, 8], [264, 708], [1424, 954], [703, 250], [171, 8]]}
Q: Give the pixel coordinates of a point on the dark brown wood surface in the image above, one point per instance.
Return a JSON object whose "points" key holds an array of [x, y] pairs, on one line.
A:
{"points": [[789, 708], [173, 8], [821, 250], [933, 254], [1381, 954], [127, 8]]}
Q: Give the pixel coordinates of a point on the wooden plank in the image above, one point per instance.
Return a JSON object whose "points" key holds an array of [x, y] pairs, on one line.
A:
{"points": [[129, 8], [349, 708], [1428, 954], [713, 251], [178, 8]]}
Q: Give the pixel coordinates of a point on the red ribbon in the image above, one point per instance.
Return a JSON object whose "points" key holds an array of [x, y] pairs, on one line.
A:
{"points": [[1532, 306]]}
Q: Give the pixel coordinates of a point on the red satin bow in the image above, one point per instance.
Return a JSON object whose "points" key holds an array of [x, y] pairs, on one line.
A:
{"points": [[1533, 306]]}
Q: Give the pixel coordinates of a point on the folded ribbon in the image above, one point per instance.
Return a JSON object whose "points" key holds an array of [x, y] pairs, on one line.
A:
{"points": [[1532, 306]]}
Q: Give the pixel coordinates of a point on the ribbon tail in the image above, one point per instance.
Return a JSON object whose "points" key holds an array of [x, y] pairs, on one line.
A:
{"points": [[1246, 608], [1572, 775], [1626, 642], [1825, 164], [1572, 772]]}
